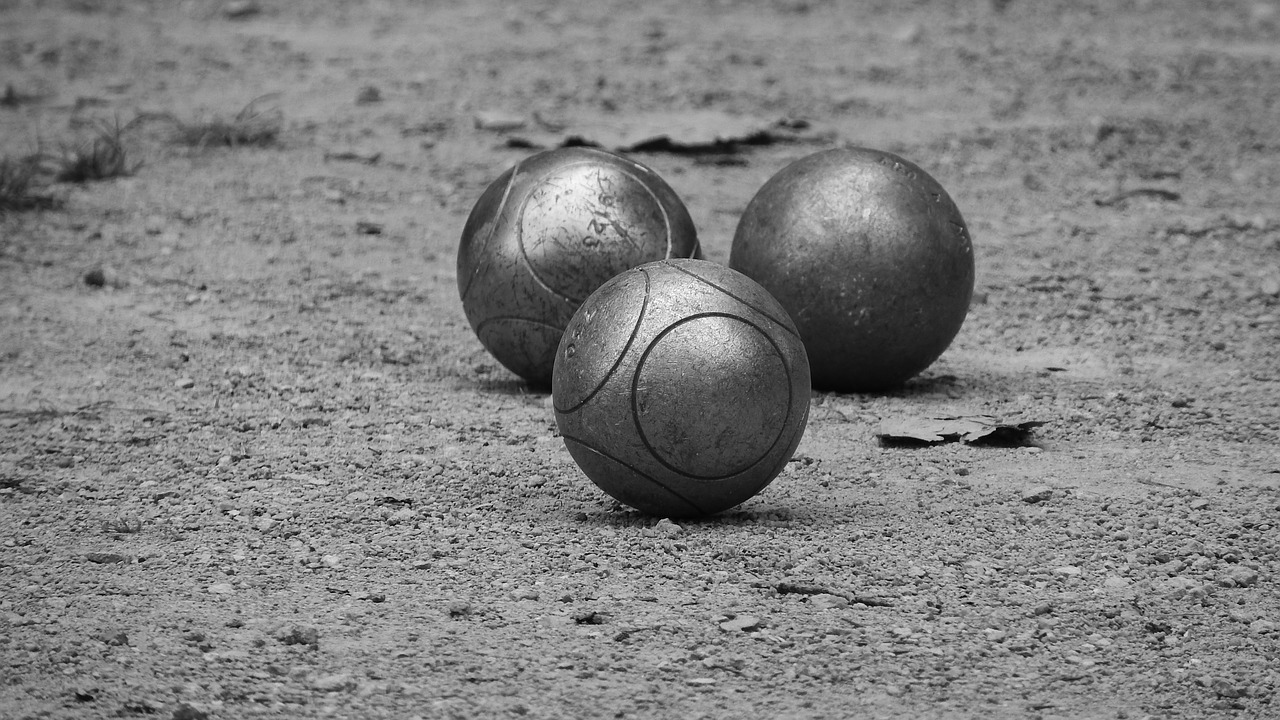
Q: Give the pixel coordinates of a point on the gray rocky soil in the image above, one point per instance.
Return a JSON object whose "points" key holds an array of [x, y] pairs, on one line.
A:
{"points": [[253, 462]]}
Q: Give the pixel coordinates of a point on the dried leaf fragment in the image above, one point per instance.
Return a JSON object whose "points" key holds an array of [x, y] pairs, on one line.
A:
{"points": [[978, 429]]}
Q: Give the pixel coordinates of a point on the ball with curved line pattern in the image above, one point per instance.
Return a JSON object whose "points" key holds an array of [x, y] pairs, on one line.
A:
{"points": [[548, 232], [681, 388], [870, 256]]}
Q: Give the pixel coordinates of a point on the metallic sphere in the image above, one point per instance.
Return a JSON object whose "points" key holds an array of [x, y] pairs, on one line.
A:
{"points": [[546, 234], [681, 388], [870, 257]]}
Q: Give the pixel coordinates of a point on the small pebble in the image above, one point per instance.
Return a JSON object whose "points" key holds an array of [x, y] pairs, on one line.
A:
{"points": [[1262, 627], [1239, 577], [824, 601], [590, 617], [1191, 547], [498, 122], [667, 528], [1179, 586], [114, 638], [105, 558], [187, 711], [1037, 494], [184, 383], [337, 682], [297, 635], [1226, 688], [85, 694], [741, 623], [403, 515]]}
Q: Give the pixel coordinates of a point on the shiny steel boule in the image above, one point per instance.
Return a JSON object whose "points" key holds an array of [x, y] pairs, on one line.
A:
{"points": [[681, 388], [546, 234], [871, 258]]}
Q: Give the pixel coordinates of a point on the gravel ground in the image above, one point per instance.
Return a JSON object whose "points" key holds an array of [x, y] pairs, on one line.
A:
{"points": [[253, 463]]}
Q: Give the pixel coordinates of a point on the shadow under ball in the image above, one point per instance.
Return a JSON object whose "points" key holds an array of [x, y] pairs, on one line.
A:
{"points": [[871, 258], [546, 234], [681, 388]]}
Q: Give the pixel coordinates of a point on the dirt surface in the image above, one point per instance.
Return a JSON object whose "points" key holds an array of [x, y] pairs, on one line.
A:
{"points": [[258, 465]]}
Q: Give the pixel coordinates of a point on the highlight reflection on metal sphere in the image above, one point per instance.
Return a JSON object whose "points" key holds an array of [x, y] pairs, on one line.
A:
{"points": [[681, 388], [871, 258], [546, 234]]}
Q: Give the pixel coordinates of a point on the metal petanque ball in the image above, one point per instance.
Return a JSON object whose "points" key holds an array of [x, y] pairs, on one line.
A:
{"points": [[870, 257], [546, 234], [681, 388]]}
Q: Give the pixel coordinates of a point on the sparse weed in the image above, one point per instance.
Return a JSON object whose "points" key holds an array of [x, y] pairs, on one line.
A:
{"points": [[18, 184], [101, 158], [253, 126], [122, 525]]}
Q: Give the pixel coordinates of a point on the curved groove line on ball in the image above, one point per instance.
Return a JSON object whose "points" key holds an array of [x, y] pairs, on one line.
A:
{"points": [[783, 325], [644, 306], [635, 470], [635, 382], [666, 216], [531, 321], [506, 193], [519, 221]]}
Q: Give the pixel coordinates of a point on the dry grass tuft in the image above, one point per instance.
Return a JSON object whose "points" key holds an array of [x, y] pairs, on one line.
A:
{"points": [[101, 158], [253, 126], [18, 178]]}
